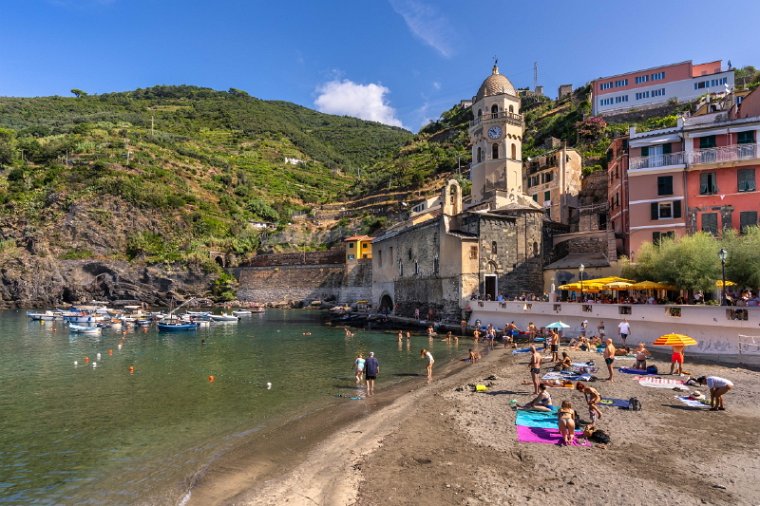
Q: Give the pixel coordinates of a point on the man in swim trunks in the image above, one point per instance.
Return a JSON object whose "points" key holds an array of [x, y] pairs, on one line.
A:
{"points": [[535, 368], [609, 357], [676, 360], [555, 346], [371, 370]]}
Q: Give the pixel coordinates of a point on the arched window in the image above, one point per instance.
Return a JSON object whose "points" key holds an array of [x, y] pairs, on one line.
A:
{"points": [[494, 111], [409, 253], [480, 113], [514, 151], [494, 248], [495, 151], [535, 249], [480, 154], [416, 268], [511, 109]]}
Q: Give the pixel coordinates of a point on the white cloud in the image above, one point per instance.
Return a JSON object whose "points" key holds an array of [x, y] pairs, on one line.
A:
{"points": [[436, 86], [426, 23], [364, 101]]}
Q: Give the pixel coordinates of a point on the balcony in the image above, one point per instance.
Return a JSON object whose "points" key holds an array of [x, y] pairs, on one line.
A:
{"points": [[649, 162], [724, 154], [512, 118]]}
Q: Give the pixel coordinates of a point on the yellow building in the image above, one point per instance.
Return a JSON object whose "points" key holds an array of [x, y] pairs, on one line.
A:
{"points": [[358, 247]]}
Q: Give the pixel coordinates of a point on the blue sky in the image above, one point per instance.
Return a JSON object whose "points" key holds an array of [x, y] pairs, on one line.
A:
{"points": [[401, 62]]}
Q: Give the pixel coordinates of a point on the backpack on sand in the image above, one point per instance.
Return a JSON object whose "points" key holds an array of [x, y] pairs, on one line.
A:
{"points": [[599, 436], [634, 404]]}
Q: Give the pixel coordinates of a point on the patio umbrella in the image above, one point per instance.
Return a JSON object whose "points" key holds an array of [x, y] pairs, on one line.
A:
{"points": [[617, 285], [608, 279], [558, 325], [648, 285], [719, 283], [674, 340]]}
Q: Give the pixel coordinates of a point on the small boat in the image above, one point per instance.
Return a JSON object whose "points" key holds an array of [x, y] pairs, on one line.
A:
{"points": [[242, 312], [224, 317], [175, 326], [46, 316], [142, 322], [84, 329]]}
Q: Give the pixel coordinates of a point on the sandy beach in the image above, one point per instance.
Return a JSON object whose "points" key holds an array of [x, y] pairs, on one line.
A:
{"points": [[441, 443]]}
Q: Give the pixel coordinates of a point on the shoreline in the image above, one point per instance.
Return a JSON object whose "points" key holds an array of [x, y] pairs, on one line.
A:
{"points": [[436, 444], [264, 460]]}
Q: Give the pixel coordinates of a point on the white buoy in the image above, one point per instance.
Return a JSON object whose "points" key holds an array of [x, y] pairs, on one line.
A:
{"points": [[94, 365], [119, 345], [269, 385], [76, 363], [98, 356]]}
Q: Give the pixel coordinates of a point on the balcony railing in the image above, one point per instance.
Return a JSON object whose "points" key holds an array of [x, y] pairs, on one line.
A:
{"points": [[647, 162], [515, 119], [724, 154]]}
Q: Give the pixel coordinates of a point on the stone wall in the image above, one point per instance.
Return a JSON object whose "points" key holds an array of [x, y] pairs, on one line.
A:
{"points": [[333, 256]]}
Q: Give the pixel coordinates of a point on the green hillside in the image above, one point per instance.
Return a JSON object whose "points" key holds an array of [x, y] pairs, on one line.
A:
{"points": [[170, 171]]}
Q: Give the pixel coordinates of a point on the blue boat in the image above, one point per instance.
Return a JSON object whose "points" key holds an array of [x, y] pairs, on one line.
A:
{"points": [[176, 326]]}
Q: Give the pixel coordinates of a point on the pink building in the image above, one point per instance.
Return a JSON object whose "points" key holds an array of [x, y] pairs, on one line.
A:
{"points": [[657, 86], [617, 193]]}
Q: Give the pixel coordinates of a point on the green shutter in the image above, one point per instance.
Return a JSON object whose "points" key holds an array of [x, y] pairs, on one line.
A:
{"points": [[655, 214], [645, 151], [677, 209], [667, 149]]}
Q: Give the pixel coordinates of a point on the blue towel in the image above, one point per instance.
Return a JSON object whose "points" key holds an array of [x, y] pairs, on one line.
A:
{"points": [[640, 372], [617, 403], [521, 350], [539, 419]]}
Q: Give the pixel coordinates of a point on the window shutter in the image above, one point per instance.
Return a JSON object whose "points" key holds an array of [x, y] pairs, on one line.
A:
{"points": [[677, 209], [655, 214], [666, 149], [645, 151]]}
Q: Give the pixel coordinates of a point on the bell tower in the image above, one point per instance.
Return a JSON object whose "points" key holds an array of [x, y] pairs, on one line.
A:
{"points": [[496, 134]]}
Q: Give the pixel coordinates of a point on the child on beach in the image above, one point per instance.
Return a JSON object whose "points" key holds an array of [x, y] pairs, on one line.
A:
{"points": [[359, 368], [430, 360], [474, 356]]}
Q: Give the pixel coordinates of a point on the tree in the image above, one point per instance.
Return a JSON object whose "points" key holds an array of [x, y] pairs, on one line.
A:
{"points": [[743, 262], [7, 146], [78, 93]]}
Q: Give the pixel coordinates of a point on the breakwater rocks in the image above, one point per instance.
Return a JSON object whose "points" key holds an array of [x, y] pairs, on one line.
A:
{"points": [[30, 281]]}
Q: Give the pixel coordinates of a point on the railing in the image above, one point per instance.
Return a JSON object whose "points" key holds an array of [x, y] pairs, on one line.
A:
{"points": [[646, 162], [515, 119], [724, 154]]}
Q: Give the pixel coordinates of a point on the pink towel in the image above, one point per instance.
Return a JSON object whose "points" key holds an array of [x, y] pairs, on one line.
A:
{"points": [[546, 436]]}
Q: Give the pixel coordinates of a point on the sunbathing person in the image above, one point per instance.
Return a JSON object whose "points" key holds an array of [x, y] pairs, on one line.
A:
{"points": [[565, 364], [541, 402], [622, 352], [566, 422]]}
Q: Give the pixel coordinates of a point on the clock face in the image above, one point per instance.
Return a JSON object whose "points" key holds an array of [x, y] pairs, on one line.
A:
{"points": [[494, 132]]}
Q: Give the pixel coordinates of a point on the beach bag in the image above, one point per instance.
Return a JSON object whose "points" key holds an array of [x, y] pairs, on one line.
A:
{"points": [[652, 369], [634, 404], [599, 436]]}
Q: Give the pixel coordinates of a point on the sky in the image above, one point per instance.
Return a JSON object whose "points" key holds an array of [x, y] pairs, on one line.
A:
{"points": [[399, 62]]}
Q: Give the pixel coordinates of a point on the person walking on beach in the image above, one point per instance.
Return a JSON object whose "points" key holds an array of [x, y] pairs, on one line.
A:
{"points": [[430, 361], [371, 370], [609, 357], [535, 368], [359, 368], [624, 328], [593, 398], [532, 331], [718, 388], [555, 346]]}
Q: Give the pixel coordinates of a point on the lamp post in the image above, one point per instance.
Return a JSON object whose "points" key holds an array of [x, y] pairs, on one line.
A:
{"points": [[581, 268], [723, 254]]}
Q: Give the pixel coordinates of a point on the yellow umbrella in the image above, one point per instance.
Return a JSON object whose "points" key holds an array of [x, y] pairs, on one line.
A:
{"points": [[649, 285], [617, 285], [570, 286], [719, 283], [674, 340], [608, 279]]}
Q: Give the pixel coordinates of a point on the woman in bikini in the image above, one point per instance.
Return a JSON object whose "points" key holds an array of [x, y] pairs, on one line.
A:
{"points": [[542, 402], [566, 422]]}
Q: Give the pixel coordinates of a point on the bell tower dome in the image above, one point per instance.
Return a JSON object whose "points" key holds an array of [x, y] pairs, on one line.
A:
{"points": [[496, 134]]}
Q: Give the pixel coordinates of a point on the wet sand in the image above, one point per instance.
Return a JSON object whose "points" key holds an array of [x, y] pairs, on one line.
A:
{"points": [[437, 444]]}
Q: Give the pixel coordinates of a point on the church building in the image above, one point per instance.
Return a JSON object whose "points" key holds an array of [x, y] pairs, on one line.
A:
{"points": [[484, 245]]}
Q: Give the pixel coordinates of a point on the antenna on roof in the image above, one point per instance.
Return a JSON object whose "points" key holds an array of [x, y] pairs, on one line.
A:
{"points": [[535, 74]]}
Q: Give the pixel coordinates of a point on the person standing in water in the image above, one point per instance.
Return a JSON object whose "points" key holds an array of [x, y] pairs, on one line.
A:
{"points": [[430, 361], [359, 368], [371, 370]]}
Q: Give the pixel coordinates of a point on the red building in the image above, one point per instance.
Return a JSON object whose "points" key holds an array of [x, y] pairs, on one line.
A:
{"points": [[617, 193]]}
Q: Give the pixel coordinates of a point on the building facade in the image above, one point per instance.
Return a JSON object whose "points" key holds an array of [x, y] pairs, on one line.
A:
{"points": [[358, 247], [657, 86], [617, 194], [553, 180]]}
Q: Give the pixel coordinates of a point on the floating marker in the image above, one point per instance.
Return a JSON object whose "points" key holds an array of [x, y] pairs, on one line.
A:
{"points": [[76, 363], [110, 352], [86, 360], [131, 369], [94, 365], [98, 356], [211, 378], [269, 385], [119, 345]]}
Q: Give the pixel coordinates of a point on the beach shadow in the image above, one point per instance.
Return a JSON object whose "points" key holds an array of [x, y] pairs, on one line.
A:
{"points": [[507, 392], [683, 407], [406, 374]]}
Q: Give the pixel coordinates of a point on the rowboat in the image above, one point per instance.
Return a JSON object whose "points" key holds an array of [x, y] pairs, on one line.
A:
{"points": [[242, 312], [175, 326], [83, 329], [224, 317]]}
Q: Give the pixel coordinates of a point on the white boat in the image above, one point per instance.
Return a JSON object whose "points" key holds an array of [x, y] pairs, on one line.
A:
{"points": [[84, 329], [224, 317], [46, 316], [242, 312]]}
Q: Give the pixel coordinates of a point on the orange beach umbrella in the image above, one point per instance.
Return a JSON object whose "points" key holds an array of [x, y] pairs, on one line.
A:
{"points": [[674, 340]]}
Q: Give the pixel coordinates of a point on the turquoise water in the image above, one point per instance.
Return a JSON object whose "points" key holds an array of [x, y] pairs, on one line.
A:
{"points": [[94, 435]]}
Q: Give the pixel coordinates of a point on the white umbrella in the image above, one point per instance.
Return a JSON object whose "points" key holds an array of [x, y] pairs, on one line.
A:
{"points": [[558, 325]]}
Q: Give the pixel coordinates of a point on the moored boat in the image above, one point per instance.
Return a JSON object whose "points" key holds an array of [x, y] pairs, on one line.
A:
{"points": [[242, 312], [84, 329], [224, 317], [175, 326]]}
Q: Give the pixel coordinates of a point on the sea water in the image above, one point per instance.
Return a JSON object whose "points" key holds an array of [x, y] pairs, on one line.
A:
{"points": [[158, 407]]}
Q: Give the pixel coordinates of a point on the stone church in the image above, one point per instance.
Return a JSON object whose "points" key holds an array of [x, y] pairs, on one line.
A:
{"points": [[487, 244]]}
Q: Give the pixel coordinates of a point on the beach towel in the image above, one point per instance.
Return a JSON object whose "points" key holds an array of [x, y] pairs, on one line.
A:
{"points": [[566, 375], [640, 372], [546, 436], [657, 382], [693, 403], [538, 419], [616, 403], [521, 350]]}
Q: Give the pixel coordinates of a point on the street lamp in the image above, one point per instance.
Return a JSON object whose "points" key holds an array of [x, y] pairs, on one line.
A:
{"points": [[723, 254], [581, 268]]}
